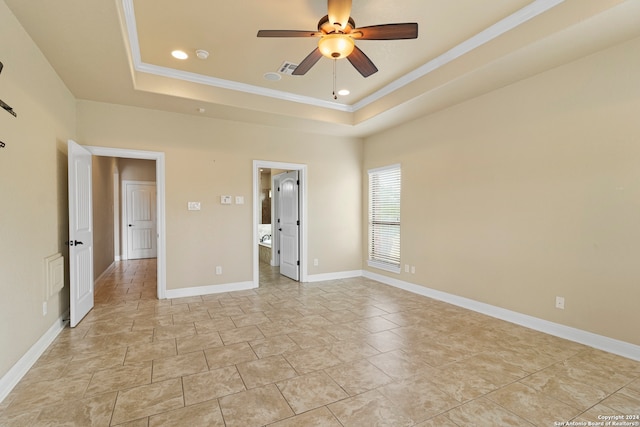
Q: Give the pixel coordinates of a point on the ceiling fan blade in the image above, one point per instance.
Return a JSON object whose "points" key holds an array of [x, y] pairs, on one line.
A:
{"points": [[287, 33], [361, 62], [407, 30], [307, 63], [339, 12]]}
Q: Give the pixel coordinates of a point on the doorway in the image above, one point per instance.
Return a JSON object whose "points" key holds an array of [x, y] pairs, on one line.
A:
{"points": [[299, 272], [160, 227]]}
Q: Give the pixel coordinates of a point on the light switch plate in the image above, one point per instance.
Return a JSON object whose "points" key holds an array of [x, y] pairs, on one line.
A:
{"points": [[225, 200], [193, 206]]}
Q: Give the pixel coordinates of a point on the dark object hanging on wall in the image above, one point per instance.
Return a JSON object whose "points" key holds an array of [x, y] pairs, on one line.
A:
{"points": [[4, 104]]}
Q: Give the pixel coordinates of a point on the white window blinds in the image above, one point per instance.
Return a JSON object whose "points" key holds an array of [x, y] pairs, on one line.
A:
{"points": [[384, 218]]}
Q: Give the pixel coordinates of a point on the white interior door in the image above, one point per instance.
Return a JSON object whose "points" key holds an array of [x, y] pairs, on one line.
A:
{"points": [[141, 220], [80, 232], [289, 226]]}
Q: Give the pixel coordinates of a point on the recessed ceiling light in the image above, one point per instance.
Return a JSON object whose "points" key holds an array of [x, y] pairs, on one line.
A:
{"points": [[343, 92], [179, 54], [274, 77]]}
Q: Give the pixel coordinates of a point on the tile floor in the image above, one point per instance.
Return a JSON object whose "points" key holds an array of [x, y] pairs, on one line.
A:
{"points": [[341, 353]]}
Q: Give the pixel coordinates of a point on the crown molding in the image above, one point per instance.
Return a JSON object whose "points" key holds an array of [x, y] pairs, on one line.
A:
{"points": [[512, 21]]}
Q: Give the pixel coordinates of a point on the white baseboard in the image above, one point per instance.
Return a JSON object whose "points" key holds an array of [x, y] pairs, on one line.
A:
{"points": [[601, 342], [22, 366], [333, 276], [206, 290]]}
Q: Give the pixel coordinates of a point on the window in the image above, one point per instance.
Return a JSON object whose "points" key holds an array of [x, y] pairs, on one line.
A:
{"points": [[384, 218]]}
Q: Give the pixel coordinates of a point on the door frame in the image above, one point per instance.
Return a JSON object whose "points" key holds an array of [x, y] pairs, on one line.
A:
{"points": [[302, 203], [125, 214], [160, 203]]}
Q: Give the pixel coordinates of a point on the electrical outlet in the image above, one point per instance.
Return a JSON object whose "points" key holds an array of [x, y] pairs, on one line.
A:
{"points": [[315, 262], [44, 308], [560, 303], [218, 270], [406, 268], [413, 269]]}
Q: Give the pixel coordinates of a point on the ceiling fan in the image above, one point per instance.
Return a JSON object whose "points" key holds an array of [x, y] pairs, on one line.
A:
{"points": [[337, 32]]}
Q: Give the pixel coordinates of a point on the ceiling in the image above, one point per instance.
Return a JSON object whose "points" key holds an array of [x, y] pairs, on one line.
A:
{"points": [[119, 51]]}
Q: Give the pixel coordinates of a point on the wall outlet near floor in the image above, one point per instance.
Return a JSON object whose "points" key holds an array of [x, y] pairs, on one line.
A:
{"points": [[218, 270], [406, 268], [413, 269], [560, 303], [315, 262], [44, 308]]}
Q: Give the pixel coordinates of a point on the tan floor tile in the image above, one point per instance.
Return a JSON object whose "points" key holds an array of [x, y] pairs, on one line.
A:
{"points": [[311, 391], [265, 371], [372, 354], [442, 421], [92, 411], [491, 368], [238, 335], [211, 385], [311, 359], [21, 419], [189, 317], [358, 376], [39, 395], [119, 377], [427, 399], [594, 415], [249, 319], [219, 357], [278, 327], [174, 331], [214, 325], [399, 365], [377, 324], [274, 345], [148, 400], [461, 385], [320, 417], [240, 409], [369, 409], [347, 351], [149, 351], [204, 414], [531, 405], [198, 342], [178, 366], [564, 388], [625, 401], [483, 412], [385, 341], [307, 338]]}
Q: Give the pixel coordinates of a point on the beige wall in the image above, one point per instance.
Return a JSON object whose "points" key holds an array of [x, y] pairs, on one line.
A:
{"points": [[137, 170], [528, 193], [207, 158], [103, 205], [33, 195]]}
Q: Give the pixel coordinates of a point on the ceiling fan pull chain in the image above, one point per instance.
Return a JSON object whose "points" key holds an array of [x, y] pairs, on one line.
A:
{"points": [[334, 79]]}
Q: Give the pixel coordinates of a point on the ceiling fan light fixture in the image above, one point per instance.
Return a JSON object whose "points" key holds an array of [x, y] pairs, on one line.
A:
{"points": [[336, 46]]}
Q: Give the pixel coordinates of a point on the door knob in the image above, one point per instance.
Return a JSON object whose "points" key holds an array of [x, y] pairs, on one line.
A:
{"points": [[73, 243], [130, 225]]}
